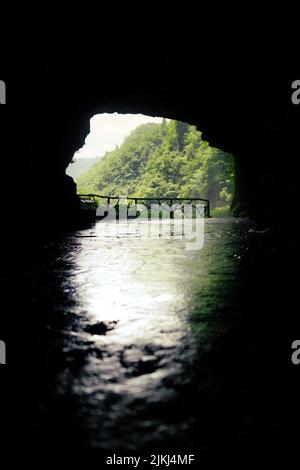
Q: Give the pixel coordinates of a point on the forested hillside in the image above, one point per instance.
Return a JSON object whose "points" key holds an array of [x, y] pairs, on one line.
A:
{"points": [[167, 159], [80, 166]]}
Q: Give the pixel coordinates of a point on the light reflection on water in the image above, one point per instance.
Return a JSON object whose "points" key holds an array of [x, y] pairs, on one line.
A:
{"points": [[140, 289], [137, 283], [125, 381]]}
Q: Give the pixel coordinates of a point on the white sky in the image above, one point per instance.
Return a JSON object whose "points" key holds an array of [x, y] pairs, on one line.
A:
{"points": [[108, 130]]}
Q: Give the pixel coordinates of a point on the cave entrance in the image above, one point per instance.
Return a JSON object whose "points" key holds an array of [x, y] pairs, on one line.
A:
{"points": [[136, 155]]}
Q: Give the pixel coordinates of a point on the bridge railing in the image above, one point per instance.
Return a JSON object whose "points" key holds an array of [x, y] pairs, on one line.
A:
{"points": [[136, 200]]}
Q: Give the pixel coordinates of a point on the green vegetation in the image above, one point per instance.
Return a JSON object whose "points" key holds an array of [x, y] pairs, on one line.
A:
{"points": [[167, 159]]}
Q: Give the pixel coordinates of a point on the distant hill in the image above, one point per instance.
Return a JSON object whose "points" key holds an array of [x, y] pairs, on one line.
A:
{"points": [[165, 159], [80, 166]]}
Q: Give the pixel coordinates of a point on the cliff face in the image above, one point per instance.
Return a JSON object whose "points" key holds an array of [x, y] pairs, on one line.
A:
{"points": [[230, 78]]}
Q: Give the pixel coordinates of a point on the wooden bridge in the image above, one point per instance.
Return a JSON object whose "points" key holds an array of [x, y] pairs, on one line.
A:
{"points": [[93, 199]]}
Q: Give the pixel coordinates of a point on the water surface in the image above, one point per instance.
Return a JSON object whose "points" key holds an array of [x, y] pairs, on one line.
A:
{"points": [[144, 344]]}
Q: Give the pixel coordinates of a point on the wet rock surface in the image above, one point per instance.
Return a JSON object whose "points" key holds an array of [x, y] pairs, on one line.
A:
{"points": [[100, 328], [144, 345]]}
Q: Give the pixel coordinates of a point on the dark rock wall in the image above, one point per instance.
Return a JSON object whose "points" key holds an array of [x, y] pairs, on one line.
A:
{"points": [[229, 75]]}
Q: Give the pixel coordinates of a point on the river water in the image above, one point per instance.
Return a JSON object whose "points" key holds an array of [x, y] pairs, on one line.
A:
{"points": [[143, 344]]}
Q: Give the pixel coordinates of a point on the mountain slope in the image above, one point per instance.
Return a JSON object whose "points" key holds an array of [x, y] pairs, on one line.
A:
{"points": [[81, 166], [167, 159]]}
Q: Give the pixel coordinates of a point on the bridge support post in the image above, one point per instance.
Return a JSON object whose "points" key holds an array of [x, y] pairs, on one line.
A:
{"points": [[171, 212]]}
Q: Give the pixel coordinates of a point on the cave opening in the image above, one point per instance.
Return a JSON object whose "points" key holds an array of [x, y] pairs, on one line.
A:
{"points": [[129, 346], [137, 155]]}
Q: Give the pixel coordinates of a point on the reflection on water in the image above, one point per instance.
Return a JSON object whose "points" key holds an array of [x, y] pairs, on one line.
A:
{"points": [[129, 322]]}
